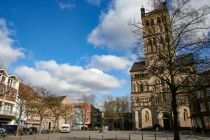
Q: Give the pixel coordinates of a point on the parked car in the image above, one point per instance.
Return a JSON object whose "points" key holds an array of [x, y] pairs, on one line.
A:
{"points": [[10, 129], [34, 130], [25, 131], [65, 128], [3, 132]]}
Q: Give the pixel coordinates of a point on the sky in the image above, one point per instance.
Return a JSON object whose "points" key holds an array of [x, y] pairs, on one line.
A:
{"points": [[71, 47]]}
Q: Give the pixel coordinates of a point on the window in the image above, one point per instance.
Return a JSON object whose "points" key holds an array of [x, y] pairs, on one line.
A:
{"points": [[1, 91], [147, 22], [203, 107], [185, 114], [134, 88], [200, 94], [146, 116], [10, 82], [208, 91], [154, 41], [141, 87], [151, 49], [164, 19], [158, 20], [161, 40], [152, 21], [149, 41], [209, 105]]}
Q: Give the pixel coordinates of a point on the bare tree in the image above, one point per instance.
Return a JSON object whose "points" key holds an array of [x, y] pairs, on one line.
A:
{"points": [[39, 104], [174, 52], [23, 100], [115, 109], [91, 99]]}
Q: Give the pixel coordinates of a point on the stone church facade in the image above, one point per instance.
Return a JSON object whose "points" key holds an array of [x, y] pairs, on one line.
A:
{"points": [[150, 106]]}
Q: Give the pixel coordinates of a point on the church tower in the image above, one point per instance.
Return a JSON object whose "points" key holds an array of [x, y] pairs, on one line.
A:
{"points": [[156, 33]]}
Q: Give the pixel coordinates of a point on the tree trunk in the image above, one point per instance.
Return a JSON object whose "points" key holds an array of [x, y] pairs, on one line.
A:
{"points": [[18, 125], [175, 116], [40, 127]]}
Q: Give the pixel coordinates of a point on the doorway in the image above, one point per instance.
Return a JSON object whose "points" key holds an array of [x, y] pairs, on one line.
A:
{"points": [[166, 122]]}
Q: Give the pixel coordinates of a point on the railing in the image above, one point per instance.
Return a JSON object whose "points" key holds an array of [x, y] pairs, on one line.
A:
{"points": [[8, 113]]}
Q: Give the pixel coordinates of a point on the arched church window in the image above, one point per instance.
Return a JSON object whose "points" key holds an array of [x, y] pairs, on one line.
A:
{"points": [[154, 41], [134, 88], [158, 20], [147, 22], [152, 21], [146, 116], [185, 114], [161, 40], [149, 41], [141, 87]]}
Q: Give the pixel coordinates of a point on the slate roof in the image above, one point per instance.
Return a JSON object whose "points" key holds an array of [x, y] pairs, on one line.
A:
{"points": [[185, 59], [138, 66]]}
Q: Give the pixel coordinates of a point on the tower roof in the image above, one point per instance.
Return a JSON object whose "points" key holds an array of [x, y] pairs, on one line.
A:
{"points": [[138, 66]]}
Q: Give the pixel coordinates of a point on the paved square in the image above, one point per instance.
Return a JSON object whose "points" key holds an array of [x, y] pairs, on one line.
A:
{"points": [[110, 135]]}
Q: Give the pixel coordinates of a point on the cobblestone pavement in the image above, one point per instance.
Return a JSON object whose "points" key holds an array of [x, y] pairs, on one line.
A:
{"points": [[110, 135]]}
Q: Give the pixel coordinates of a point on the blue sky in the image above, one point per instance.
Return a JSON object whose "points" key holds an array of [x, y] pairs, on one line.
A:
{"points": [[71, 47]]}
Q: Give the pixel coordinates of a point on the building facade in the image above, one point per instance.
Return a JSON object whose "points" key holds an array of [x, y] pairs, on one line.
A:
{"points": [[9, 85], [201, 106], [150, 100], [85, 116]]}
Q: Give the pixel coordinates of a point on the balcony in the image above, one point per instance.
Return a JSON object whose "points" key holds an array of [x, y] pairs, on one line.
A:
{"points": [[7, 114]]}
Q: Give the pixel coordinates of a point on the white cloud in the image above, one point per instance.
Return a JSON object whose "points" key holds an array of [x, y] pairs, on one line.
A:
{"points": [[95, 2], [8, 54], [114, 30], [66, 5], [110, 62], [195, 4], [66, 79]]}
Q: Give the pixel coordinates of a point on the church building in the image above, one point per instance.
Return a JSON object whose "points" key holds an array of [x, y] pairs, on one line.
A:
{"points": [[151, 106]]}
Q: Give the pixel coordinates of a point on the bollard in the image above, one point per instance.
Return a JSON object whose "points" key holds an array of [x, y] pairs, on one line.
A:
{"points": [[155, 136], [89, 137], [142, 136], [129, 137], [102, 137]]}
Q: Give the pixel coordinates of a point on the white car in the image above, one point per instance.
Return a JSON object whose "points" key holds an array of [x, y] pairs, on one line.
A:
{"points": [[65, 128]]}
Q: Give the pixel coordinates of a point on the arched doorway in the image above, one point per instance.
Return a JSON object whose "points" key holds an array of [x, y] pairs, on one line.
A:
{"points": [[166, 122]]}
